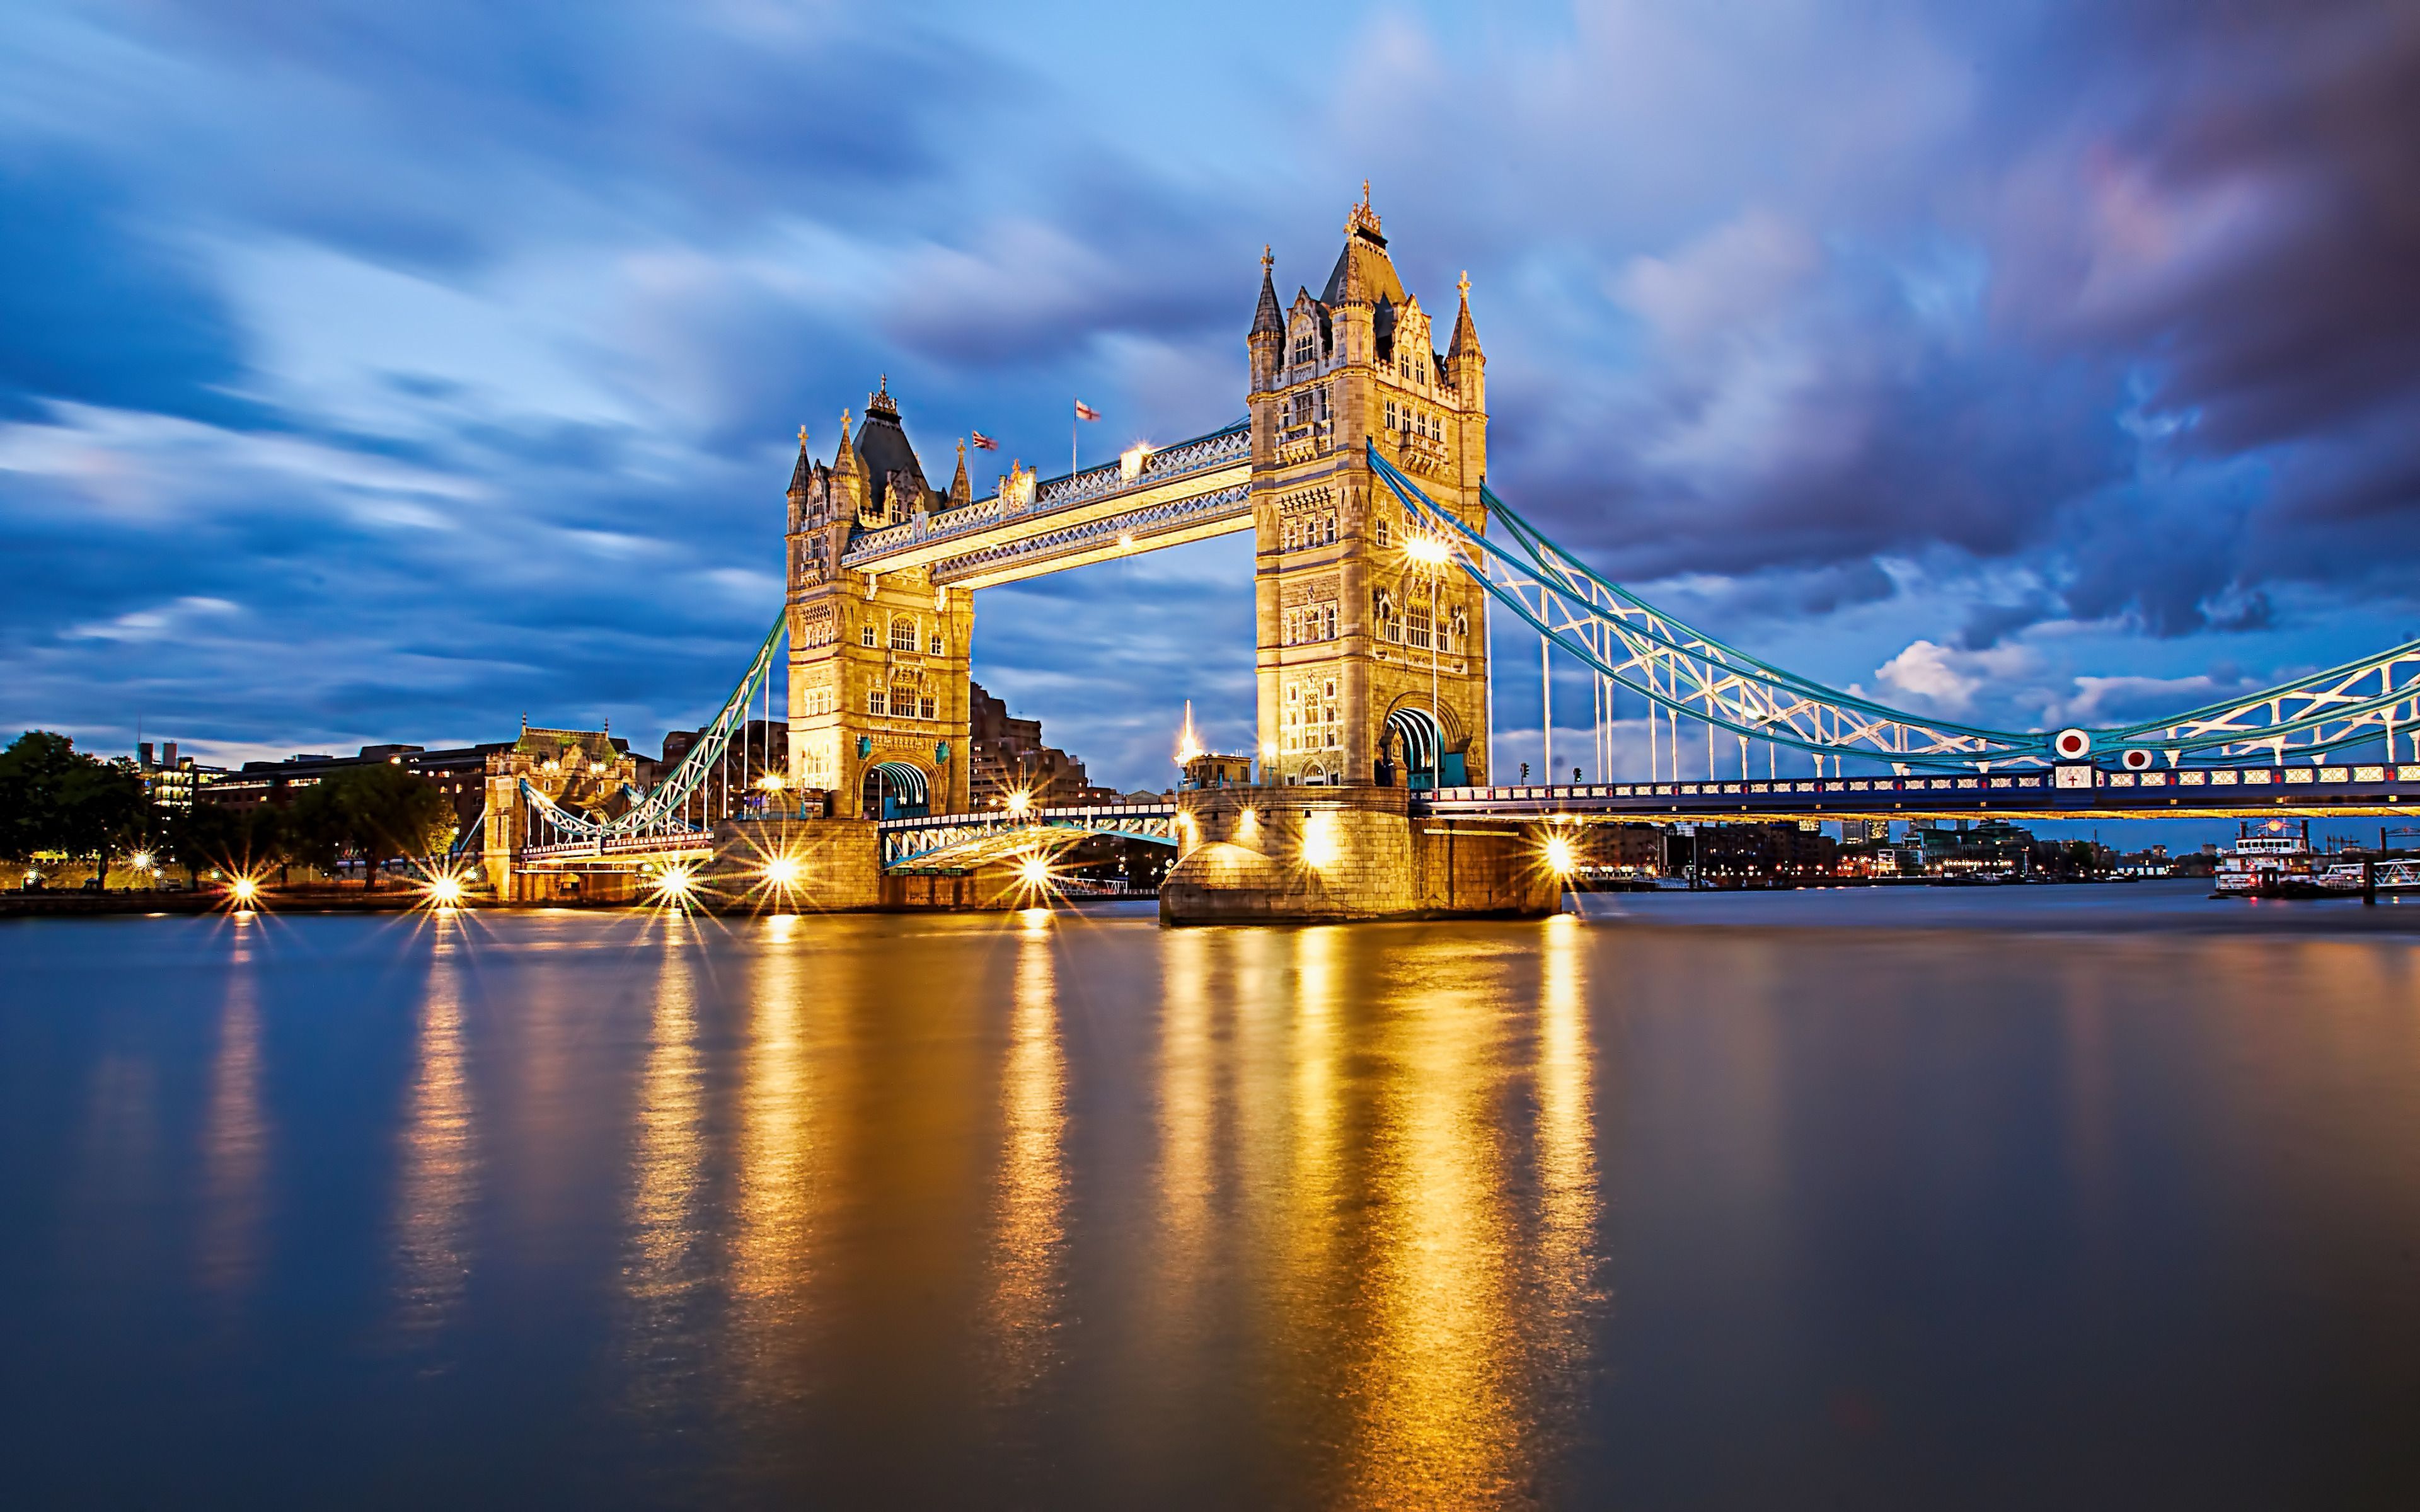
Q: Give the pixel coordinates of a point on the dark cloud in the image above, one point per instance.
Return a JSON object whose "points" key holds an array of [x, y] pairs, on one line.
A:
{"points": [[2096, 313]]}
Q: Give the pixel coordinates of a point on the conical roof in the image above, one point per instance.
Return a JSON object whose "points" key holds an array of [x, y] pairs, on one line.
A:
{"points": [[1364, 274], [1268, 320], [1465, 335], [882, 447], [802, 476]]}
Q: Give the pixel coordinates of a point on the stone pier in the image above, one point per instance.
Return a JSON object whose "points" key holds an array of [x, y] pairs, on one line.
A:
{"points": [[1280, 855]]}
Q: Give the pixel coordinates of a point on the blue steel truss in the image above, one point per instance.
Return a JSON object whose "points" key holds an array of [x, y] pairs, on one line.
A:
{"points": [[659, 812], [1695, 676]]}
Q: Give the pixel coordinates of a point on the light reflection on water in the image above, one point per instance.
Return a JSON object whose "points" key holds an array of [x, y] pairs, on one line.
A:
{"points": [[1060, 1210]]}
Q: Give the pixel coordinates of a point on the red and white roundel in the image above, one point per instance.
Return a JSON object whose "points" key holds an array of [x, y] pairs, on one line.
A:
{"points": [[2138, 760], [2072, 744]]}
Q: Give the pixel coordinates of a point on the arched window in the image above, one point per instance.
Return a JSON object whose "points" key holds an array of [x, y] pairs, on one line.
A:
{"points": [[936, 644], [1389, 627], [1460, 629], [903, 633]]}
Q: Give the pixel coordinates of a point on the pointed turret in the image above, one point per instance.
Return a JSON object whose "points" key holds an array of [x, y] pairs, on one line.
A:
{"points": [[802, 475], [961, 491], [1466, 365], [1268, 338], [1267, 319], [847, 475]]}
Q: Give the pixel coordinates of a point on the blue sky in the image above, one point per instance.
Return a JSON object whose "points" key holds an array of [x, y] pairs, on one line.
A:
{"points": [[383, 372]]}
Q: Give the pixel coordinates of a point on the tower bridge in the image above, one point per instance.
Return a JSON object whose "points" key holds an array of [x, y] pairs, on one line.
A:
{"points": [[1381, 558]]}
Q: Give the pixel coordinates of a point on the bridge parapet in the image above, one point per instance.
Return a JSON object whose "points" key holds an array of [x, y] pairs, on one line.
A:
{"points": [[1126, 489]]}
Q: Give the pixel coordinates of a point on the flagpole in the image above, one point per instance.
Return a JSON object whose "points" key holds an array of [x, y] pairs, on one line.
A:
{"points": [[1073, 421]]}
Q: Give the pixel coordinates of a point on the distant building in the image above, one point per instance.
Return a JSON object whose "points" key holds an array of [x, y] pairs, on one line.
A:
{"points": [[1007, 755], [171, 781]]}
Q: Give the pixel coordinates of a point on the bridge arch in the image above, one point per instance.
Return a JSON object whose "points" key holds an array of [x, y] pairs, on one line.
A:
{"points": [[896, 789]]}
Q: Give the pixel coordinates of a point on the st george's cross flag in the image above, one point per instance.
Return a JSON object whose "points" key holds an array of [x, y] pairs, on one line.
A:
{"points": [[983, 442], [1085, 411]]}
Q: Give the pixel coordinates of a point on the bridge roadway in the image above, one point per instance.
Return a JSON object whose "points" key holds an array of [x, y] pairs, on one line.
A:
{"points": [[948, 839], [939, 842], [2062, 793], [1188, 491]]}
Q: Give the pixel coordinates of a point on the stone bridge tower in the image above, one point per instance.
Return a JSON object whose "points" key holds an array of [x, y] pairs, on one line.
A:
{"points": [[1373, 662], [879, 664]]}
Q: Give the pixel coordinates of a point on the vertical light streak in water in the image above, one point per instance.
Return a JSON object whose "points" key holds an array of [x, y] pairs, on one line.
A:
{"points": [[1177, 1313], [1567, 1176], [1440, 1420], [1028, 1223], [772, 1228], [235, 1146], [661, 1265], [438, 1174]]}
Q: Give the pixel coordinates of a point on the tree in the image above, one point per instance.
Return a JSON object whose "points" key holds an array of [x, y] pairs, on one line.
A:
{"points": [[379, 811], [104, 808], [32, 784], [54, 798], [238, 840]]}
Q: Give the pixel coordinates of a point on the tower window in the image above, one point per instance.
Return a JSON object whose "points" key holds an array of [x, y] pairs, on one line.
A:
{"points": [[876, 705], [1379, 523], [1305, 346], [865, 633], [935, 644], [903, 634]]}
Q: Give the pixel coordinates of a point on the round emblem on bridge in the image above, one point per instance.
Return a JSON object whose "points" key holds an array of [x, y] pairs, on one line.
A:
{"points": [[2138, 760], [2072, 744]]}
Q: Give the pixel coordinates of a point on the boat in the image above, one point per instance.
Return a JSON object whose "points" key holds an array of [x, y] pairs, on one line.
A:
{"points": [[2276, 863]]}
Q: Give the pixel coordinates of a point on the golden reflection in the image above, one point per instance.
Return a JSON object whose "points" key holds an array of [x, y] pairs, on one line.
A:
{"points": [[235, 1146], [662, 1267], [1187, 1118], [1029, 1226], [772, 1226], [1567, 1176], [440, 1168], [1440, 1422]]}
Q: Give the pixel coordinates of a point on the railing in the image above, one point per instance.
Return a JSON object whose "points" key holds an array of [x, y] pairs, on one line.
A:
{"points": [[1221, 448]]}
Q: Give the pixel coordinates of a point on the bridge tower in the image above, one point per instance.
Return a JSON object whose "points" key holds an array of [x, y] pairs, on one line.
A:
{"points": [[1373, 653], [878, 661]]}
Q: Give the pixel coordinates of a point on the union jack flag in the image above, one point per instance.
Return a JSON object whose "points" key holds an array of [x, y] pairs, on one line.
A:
{"points": [[1085, 411], [983, 442]]}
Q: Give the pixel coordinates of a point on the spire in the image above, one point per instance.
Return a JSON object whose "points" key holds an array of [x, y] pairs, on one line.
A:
{"points": [[802, 475], [1362, 220], [878, 404], [1465, 335], [1268, 320], [845, 460], [961, 491]]}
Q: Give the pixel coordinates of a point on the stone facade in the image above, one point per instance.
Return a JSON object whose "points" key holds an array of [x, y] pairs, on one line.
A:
{"points": [[1360, 642], [877, 664], [1303, 854], [581, 770]]}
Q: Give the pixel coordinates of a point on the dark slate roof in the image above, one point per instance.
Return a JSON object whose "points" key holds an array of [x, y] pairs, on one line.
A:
{"points": [[1364, 255], [882, 445], [1268, 318]]}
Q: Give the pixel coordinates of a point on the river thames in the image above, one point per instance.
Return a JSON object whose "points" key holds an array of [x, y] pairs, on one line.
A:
{"points": [[2024, 1197]]}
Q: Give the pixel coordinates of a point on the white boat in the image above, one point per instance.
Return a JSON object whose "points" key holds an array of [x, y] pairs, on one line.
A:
{"points": [[2270, 865]]}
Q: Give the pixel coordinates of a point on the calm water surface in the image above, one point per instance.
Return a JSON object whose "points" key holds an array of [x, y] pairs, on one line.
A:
{"points": [[2085, 1197]]}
